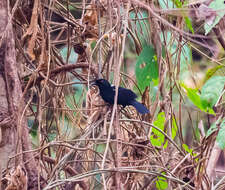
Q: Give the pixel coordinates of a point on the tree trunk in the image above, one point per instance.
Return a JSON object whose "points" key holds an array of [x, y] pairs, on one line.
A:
{"points": [[14, 137]]}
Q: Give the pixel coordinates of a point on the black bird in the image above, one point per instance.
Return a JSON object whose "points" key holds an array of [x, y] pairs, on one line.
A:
{"points": [[125, 96]]}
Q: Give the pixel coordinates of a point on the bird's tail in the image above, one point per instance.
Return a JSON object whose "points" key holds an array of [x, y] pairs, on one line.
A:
{"points": [[139, 107]]}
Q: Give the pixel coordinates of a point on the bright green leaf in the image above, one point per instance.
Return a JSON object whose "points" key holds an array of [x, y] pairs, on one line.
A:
{"points": [[146, 67], [187, 149], [195, 97], [161, 183], [190, 151], [174, 128], [165, 144], [157, 138], [178, 3], [211, 72], [189, 24]]}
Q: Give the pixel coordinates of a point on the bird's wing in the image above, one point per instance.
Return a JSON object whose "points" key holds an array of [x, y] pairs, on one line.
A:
{"points": [[125, 92], [125, 96]]}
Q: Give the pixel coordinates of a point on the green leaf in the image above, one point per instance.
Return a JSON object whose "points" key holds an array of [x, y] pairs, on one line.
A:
{"points": [[157, 138], [93, 44], [100, 148], [187, 149], [174, 128], [211, 91], [219, 7], [146, 67], [194, 96], [165, 144], [189, 24], [211, 72], [212, 129], [220, 137], [161, 183], [178, 3], [190, 151]]}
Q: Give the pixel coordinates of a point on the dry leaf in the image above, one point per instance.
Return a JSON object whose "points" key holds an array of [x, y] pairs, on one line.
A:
{"points": [[32, 31], [17, 180]]}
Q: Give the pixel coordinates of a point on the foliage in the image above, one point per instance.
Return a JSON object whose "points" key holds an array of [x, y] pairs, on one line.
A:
{"points": [[146, 68], [81, 141]]}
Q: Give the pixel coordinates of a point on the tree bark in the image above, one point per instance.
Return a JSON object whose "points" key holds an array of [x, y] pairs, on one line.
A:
{"points": [[7, 133], [14, 136]]}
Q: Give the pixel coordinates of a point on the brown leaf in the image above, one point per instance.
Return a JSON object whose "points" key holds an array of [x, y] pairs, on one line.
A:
{"points": [[32, 31], [17, 180]]}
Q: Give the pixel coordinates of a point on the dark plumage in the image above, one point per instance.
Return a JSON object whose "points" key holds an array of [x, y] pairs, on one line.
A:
{"points": [[125, 96]]}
